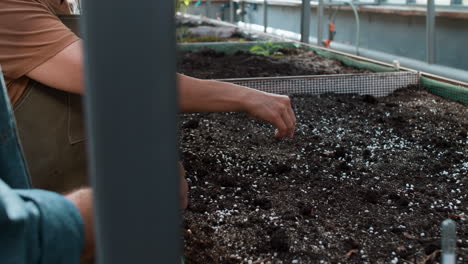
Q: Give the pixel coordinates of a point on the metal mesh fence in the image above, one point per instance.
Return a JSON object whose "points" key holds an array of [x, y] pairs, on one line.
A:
{"points": [[449, 91], [376, 84], [381, 83]]}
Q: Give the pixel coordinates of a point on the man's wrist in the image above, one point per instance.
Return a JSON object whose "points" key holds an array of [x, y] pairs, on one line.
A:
{"points": [[243, 98], [231, 97], [83, 200]]}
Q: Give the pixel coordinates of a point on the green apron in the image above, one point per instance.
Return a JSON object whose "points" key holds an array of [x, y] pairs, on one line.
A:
{"points": [[51, 129]]}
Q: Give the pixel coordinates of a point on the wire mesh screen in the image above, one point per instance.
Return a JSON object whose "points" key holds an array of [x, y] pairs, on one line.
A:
{"points": [[376, 84]]}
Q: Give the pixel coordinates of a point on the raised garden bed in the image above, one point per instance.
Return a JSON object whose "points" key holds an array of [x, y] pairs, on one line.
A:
{"points": [[189, 31], [364, 180], [210, 64], [198, 34]]}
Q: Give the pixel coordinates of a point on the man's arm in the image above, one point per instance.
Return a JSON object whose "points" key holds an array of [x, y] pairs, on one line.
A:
{"points": [[64, 71], [82, 199], [198, 95]]}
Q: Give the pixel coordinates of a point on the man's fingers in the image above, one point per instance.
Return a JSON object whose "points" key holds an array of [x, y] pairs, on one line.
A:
{"points": [[288, 117], [276, 109], [280, 125], [289, 123], [183, 187], [293, 118], [183, 193]]}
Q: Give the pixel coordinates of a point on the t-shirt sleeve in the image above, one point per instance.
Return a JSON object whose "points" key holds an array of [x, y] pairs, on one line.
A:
{"points": [[38, 227], [30, 34]]}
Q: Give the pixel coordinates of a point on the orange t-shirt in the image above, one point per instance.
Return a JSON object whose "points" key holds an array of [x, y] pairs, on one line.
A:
{"points": [[30, 34]]}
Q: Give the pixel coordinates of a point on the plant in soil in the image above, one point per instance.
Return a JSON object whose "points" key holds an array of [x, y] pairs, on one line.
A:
{"points": [[182, 4], [267, 48]]}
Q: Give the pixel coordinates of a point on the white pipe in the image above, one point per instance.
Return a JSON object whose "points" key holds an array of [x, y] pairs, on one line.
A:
{"points": [[422, 66]]}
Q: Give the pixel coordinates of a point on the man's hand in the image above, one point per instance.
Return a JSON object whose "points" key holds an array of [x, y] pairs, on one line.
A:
{"points": [[196, 95], [272, 108], [83, 200], [183, 187]]}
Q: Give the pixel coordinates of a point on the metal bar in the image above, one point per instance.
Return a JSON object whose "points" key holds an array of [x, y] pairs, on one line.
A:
{"points": [[231, 11], [265, 15], [208, 8], [430, 32], [376, 84], [131, 124], [449, 241], [358, 26], [242, 8], [320, 23], [305, 21], [326, 76]]}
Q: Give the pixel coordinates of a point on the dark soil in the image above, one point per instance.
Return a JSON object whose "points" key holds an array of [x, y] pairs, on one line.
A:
{"points": [[364, 180], [209, 64], [180, 22]]}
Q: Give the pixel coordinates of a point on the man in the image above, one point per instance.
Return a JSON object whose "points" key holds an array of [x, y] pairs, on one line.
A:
{"points": [[42, 61]]}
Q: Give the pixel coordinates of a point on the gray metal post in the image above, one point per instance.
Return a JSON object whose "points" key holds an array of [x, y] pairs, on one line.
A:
{"points": [[231, 11], [242, 8], [320, 23], [131, 123], [208, 8], [430, 32], [449, 241], [265, 15], [305, 21]]}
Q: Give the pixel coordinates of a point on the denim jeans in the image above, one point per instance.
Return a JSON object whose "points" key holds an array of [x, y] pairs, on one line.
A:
{"points": [[36, 226], [12, 165]]}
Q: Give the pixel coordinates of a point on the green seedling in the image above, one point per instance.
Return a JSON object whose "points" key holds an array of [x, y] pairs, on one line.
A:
{"points": [[267, 48], [182, 4]]}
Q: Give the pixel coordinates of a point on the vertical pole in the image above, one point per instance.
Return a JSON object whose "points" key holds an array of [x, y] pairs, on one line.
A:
{"points": [[320, 23], [242, 10], [231, 11], [208, 8], [265, 15], [305, 21], [131, 123], [430, 32], [449, 241]]}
